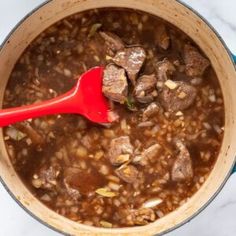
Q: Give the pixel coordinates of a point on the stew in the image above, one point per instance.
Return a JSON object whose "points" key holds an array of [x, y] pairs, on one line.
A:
{"points": [[170, 110]]}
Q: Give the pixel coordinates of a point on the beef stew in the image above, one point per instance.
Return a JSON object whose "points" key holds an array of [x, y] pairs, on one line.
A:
{"points": [[170, 129]]}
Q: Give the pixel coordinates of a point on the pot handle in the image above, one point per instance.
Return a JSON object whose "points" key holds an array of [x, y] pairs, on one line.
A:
{"points": [[234, 59], [234, 169]]}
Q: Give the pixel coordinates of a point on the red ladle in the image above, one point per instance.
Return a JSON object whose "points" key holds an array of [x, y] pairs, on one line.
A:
{"points": [[85, 98]]}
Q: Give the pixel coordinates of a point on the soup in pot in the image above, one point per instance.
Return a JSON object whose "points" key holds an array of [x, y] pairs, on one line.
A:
{"points": [[169, 114]]}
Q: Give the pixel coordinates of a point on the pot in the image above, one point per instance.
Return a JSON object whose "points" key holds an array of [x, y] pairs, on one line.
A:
{"points": [[206, 38]]}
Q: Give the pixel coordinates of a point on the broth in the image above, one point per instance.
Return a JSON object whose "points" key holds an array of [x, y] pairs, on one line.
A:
{"points": [[150, 161]]}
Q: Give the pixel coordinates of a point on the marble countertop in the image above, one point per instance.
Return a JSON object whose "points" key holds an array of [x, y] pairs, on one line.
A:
{"points": [[217, 219]]}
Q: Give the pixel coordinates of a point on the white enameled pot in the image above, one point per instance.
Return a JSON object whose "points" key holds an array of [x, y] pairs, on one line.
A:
{"points": [[182, 17]]}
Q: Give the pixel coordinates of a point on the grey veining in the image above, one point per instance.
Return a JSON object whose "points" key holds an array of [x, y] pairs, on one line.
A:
{"points": [[221, 15]]}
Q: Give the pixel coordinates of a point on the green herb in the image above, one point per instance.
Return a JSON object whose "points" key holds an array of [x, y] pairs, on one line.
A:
{"points": [[130, 104], [95, 27], [105, 192], [20, 135]]}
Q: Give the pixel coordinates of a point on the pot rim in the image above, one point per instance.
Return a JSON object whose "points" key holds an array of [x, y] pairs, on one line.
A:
{"points": [[5, 41]]}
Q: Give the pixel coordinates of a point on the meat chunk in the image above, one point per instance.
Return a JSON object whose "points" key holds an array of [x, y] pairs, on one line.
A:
{"points": [[127, 173], [182, 169], [164, 69], [141, 216], [131, 59], [196, 64], [144, 88], [47, 177], [120, 150], [151, 110], [177, 96], [162, 37], [112, 41], [115, 85]]}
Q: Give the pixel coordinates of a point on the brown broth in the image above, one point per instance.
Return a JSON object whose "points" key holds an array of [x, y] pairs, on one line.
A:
{"points": [[76, 149]]}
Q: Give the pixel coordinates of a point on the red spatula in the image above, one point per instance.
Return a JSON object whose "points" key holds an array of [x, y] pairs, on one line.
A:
{"points": [[85, 98]]}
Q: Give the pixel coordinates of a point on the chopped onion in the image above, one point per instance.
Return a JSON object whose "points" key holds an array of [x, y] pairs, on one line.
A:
{"points": [[113, 186], [15, 134], [145, 124], [171, 84], [152, 203], [105, 224], [179, 113]]}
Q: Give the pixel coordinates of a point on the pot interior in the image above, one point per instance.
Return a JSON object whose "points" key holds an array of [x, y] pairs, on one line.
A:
{"points": [[183, 18]]}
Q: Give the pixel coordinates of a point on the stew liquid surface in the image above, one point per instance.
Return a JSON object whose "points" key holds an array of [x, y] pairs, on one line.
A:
{"points": [[162, 147]]}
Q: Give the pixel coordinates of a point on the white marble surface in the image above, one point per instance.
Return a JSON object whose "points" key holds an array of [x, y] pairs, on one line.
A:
{"points": [[217, 219]]}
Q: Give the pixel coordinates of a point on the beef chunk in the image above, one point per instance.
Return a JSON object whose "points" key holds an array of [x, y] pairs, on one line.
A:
{"points": [[144, 88], [151, 110], [164, 69], [131, 59], [115, 85], [47, 177], [162, 37], [120, 150], [196, 64], [127, 173], [182, 169], [177, 96], [112, 41]]}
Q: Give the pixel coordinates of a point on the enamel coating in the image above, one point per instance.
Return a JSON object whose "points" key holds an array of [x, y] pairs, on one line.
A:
{"points": [[208, 40]]}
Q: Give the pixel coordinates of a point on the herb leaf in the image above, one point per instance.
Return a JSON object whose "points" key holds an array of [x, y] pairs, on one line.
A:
{"points": [[95, 27], [130, 104], [105, 192]]}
